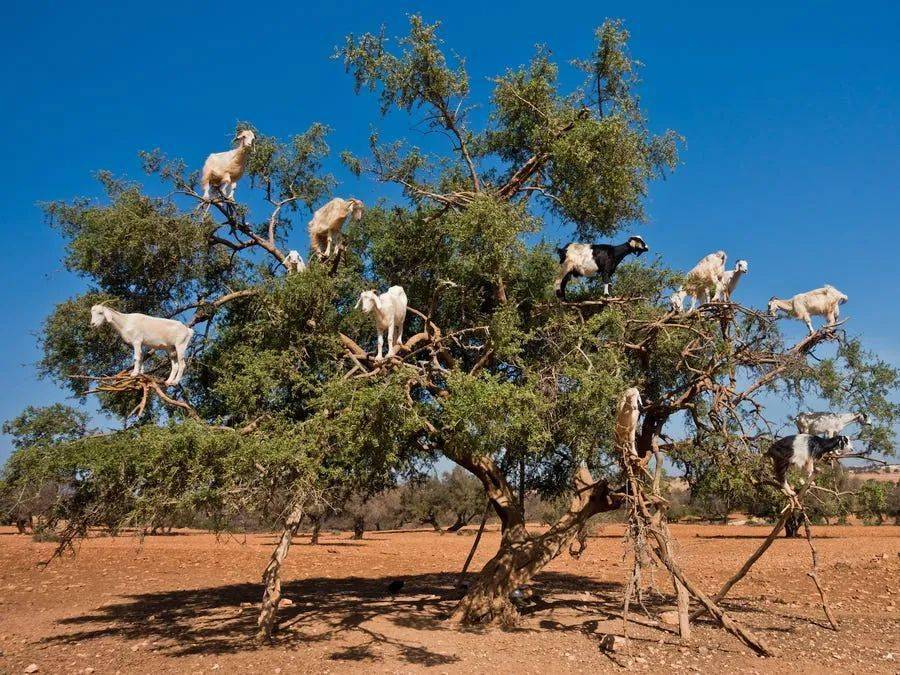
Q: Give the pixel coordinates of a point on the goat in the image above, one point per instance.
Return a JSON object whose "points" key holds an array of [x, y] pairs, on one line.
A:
{"points": [[587, 260], [390, 313], [801, 451], [326, 222], [730, 279], [676, 300], [293, 262], [827, 424], [825, 301], [140, 330], [627, 413], [702, 282], [223, 169]]}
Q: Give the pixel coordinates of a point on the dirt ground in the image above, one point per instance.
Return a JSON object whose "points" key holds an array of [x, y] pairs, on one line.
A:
{"points": [[187, 603]]}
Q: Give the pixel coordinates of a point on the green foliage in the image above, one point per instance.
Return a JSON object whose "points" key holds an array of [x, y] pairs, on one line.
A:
{"points": [[291, 170], [140, 249], [46, 425], [857, 380], [419, 75], [872, 501]]}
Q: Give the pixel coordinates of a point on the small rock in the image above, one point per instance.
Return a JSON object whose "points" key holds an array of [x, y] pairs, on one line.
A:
{"points": [[888, 657], [31, 668], [88, 670], [669, 618], [613, 643], [287, 602]]}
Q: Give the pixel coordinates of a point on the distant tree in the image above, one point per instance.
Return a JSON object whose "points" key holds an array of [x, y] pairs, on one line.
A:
{"points": [[424, 501], [464, 495], [872, 501]]}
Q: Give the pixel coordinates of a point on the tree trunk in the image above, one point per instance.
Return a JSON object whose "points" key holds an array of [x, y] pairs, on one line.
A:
{"points": [[522, 486], [359, 526], [431, 519], [272, 574], [521, 555], [317, 525], [461, 521]]}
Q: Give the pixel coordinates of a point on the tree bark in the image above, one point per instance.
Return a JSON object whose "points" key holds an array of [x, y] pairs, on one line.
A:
{"points": [[431, 519], [314, 537], [359, 527], [272, 574], [521, 556]]}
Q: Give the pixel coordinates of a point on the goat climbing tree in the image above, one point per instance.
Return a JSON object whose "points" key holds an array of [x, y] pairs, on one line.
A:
{"points": [[284, 409]]}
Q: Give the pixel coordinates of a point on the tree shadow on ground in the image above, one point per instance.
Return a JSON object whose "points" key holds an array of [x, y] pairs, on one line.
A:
{"points": [[763, 535], [353, 614]]}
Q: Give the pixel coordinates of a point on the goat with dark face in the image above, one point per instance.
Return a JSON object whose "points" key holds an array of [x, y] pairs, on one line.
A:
{"points": [[802, 451], [588, 260]]}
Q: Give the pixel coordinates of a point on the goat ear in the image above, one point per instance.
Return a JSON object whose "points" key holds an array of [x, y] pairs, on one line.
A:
{"points": [[358, 303]]}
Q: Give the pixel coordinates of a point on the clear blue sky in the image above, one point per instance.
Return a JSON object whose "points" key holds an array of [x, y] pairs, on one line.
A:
{"points": [[790, 116]]}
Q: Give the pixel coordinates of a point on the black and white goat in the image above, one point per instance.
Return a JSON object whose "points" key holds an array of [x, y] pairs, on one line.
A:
{"points": [[802, 451], [588, 260]]}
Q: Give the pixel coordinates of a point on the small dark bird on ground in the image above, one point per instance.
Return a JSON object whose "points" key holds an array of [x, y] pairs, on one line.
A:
{"points": [[395, 587]]}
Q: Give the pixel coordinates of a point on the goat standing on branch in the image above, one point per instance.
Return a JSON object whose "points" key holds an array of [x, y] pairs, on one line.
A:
{"points": [[222, 170], [801, 451], [588, 260], [140, 330], [390, 313], [703, 282], [730, 279], [825, 301], [293, 262], [827, 424], [325, 226], [627, 413]]}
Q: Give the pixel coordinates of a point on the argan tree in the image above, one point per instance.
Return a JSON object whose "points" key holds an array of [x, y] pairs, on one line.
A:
{"points": [[284, 409]]}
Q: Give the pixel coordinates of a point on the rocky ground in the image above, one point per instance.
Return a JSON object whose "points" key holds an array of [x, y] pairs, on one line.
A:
{"points": [[187, 603]]}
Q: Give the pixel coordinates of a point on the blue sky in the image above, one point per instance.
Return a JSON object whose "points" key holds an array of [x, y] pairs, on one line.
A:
{"points": [[790, 118]]}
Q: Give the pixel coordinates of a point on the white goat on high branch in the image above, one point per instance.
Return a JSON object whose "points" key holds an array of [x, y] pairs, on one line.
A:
{"points": [[140, 330], [222, 170], [703, 282], [390, 313], [825, 301], [293, 262], [627, 413], [325, 226], [730, 280], [827, 424]]}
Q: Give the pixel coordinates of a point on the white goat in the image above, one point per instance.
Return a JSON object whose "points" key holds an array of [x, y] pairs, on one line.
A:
{"points": [[325, 226], [223, 169], [702, 282], [390, 313], [627, 413], [827, 424], [293, 262], [825, 301], [140, 330], [676, 300], [730, 280]]}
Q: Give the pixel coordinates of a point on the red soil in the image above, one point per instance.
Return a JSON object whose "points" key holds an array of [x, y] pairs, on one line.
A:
{"points": [[187, 603]]}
